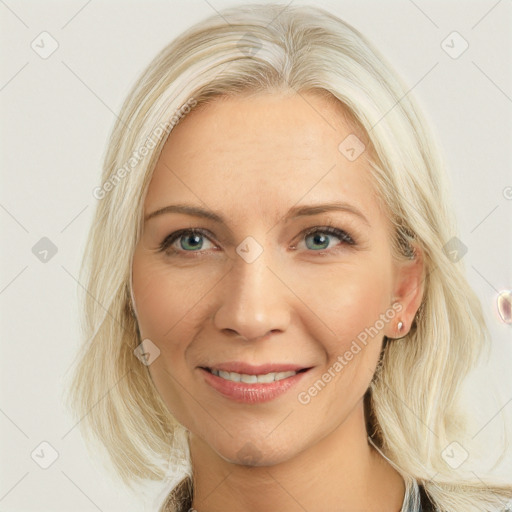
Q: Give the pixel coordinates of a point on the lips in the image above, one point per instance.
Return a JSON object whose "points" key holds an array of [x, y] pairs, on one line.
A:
{"points": [[252, 384]]}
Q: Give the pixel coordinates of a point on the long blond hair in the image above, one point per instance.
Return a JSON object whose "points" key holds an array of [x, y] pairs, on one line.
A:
{"points": [[413, 396]]}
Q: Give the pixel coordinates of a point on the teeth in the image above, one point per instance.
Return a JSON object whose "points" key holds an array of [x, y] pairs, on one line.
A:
{"points": [[252, 379]]}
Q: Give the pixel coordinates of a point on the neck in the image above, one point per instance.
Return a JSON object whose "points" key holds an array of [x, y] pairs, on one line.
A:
{"points": [[340, 472]]}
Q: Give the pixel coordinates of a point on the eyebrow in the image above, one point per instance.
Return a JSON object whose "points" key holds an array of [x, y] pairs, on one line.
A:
{"points": [[295, 212]]}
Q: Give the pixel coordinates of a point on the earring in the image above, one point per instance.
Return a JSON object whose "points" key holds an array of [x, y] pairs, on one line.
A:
{"points": [[400, 326]]}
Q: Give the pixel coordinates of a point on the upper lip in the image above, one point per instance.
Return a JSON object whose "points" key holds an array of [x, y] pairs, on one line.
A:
{"points": [[250, 369]]}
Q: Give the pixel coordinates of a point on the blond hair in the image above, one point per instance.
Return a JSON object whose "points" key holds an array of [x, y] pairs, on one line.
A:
{"points": [[413, 396]]}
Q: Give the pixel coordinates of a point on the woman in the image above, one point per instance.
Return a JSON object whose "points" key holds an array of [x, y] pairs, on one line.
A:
{"points": [[272, 308]]}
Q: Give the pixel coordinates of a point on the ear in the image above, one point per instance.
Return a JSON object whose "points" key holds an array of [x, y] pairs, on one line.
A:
{"points": [[408, 288]]}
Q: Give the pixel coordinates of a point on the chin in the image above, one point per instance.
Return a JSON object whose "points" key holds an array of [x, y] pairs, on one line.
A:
{"points": [[256, 453]]}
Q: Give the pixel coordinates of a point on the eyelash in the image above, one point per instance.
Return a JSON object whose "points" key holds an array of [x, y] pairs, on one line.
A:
{"points": [[342, 235]]}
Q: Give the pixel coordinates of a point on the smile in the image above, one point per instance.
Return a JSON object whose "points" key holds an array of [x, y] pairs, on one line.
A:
{"points": [[252, 384], [253, 379]]}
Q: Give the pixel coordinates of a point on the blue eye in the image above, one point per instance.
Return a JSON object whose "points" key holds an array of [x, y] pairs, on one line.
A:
{"points": [[192, 240], [321, 241]]}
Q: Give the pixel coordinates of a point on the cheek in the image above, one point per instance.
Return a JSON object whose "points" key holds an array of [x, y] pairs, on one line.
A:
{"points": [[169, 301], [360, 306], [154, 299], [348, 300], [352, 306], [165, 303], [161, 296]]}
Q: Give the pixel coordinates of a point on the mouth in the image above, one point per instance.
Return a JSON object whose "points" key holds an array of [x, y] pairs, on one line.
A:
{"points": [[247, 378], [252, 384]]}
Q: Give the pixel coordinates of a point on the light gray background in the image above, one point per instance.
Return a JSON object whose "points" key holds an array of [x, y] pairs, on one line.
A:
{"points": [[55, 119]]}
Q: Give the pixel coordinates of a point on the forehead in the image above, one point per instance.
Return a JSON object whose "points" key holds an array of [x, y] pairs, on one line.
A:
{"points": [[261, 154]]}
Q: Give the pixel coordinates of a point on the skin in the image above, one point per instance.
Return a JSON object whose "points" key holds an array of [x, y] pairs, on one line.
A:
{"points": [[251, 159]]}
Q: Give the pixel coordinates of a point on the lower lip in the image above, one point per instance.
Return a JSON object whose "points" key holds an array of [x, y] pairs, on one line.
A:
{"points": [[251, 393]]}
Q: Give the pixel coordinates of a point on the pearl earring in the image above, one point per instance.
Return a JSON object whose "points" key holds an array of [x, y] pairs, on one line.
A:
{"points": [[400, 326]]}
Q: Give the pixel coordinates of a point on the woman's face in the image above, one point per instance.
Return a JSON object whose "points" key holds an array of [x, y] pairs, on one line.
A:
{"points": [[289, 270]]}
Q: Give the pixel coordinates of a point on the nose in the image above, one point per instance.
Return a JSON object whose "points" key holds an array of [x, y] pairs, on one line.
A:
{"points": [[254, 301]]}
